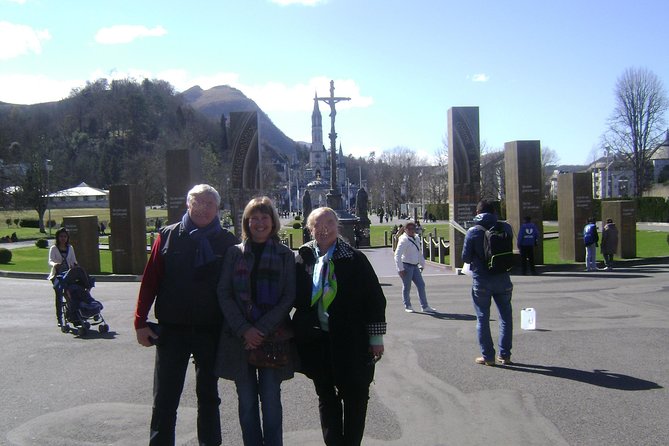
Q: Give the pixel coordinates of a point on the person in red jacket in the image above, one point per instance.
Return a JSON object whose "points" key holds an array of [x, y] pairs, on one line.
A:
{"points": [[181, 278]]}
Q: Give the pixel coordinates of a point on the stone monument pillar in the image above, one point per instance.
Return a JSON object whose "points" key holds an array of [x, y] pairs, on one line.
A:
{"points": [[623, 214], [522, 168], [84, 237], [128, 222], [574, 209], [183, 171], [245, 177], [464, 174]]}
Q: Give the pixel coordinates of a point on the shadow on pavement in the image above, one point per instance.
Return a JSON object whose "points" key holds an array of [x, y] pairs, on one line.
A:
{"points": [[604, 274], [449, 316], [92, 334], [602, 378]]}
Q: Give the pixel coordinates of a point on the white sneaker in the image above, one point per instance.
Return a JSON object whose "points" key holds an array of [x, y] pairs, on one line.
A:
{"points": [[408, 309], [429, 309]]}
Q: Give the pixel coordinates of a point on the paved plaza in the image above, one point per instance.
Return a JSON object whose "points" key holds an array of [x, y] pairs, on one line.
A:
{"points": [[595, 372]]}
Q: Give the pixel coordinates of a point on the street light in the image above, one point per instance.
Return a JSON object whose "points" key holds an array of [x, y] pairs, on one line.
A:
{"points": [[48, 167]]}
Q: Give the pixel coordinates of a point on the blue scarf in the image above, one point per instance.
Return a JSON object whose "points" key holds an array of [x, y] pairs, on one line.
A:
{"points": [[202, 236]]}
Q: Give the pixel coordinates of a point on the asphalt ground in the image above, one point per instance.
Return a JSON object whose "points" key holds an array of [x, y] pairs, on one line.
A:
{"points": [[594, 372]]}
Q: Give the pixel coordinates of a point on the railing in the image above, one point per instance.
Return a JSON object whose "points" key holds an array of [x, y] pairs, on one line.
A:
{"points": [[435, 247]]}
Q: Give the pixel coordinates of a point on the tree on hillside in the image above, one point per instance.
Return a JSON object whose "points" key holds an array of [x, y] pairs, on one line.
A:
{"points": [[637, 123]]}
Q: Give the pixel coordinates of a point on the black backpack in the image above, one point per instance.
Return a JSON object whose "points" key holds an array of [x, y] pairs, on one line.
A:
{"points": [[498, 248]]}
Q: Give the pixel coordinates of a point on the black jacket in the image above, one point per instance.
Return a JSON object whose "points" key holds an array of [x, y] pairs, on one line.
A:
{"points": [[357, 312]]}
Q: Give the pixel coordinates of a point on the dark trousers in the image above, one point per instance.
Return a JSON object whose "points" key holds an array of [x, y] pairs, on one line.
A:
{"points": [[172, 358], [527, 256], [342, 408]]}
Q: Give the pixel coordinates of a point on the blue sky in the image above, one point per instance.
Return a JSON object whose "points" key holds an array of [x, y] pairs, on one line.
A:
{"points": [[536, 70]]}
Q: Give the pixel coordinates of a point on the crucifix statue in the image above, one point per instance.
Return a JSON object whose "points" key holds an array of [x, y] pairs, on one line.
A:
{"points": [[334, 197]]}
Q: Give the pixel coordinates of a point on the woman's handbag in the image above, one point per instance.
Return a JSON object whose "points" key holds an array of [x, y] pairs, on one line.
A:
{"points": [[275, 351]]}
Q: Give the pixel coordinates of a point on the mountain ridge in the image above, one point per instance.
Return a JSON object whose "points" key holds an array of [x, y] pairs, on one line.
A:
{"points": [[223, 99]]}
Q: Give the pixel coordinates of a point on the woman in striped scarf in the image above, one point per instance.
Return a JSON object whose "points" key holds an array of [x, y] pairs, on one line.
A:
{"points": [[256, 293]]}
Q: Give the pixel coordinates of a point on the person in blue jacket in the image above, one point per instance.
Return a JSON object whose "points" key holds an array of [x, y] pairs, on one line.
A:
{"points": [[528, 236], [487, 287], [591, 241]]}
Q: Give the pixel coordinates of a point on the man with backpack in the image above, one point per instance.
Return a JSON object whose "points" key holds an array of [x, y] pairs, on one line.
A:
{"points": [[488, 248], [591, 241]]}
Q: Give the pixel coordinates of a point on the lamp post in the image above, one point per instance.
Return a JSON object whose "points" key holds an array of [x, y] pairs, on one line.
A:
{"points": [[290, 201], [48, 168]]}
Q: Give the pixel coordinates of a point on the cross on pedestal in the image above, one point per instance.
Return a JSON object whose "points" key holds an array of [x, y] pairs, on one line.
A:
{"points": [[334, 197]]}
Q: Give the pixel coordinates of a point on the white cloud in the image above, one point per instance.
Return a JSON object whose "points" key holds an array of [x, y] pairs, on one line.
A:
{"points": [[33, 89], [126, 33], [272, 97], [480, 77], [18, 40], [276, 96], [298, 2]]}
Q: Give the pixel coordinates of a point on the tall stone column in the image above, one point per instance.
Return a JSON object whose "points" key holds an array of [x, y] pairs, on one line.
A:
{"points": [[84, 237], [183, 171], [464, 174], [245, 177], [128, 221], [623, 214], [522, 168], [574, 209]]}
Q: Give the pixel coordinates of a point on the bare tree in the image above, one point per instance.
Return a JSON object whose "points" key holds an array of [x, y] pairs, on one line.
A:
{"points": [[637, 123], [549, 160], [492, 172], [405, 167]]}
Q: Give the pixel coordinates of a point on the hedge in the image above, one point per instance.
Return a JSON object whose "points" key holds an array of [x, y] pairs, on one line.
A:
{"points": [[29, 223], [5, 255]]}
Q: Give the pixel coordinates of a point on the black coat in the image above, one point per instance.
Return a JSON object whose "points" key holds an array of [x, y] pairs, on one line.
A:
{"points": [[357, 312]]}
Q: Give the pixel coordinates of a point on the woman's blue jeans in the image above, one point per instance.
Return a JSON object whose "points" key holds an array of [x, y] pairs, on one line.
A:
{"points": [[261, 390], [413, 274]]}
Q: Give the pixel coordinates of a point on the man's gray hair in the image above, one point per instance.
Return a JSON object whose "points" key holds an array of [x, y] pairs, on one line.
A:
{"points": [[202, 189]]}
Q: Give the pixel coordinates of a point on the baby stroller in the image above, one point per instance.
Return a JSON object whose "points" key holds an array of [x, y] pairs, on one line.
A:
{"points": [[79, 307]]}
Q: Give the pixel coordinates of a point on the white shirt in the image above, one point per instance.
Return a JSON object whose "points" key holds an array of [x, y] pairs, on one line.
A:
{"points": [[408, 252]]}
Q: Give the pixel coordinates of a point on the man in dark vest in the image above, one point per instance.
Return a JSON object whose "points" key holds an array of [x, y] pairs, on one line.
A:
{"points": [[181, 277]]}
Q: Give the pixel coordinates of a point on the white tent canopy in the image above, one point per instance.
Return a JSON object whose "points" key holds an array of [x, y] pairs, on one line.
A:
{"points": [[82, 190], [79, 196]]}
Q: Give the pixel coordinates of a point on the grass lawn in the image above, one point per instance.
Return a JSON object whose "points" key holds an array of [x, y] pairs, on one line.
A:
{"points": [[57, 216], [35, 260], [649, 244]]}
